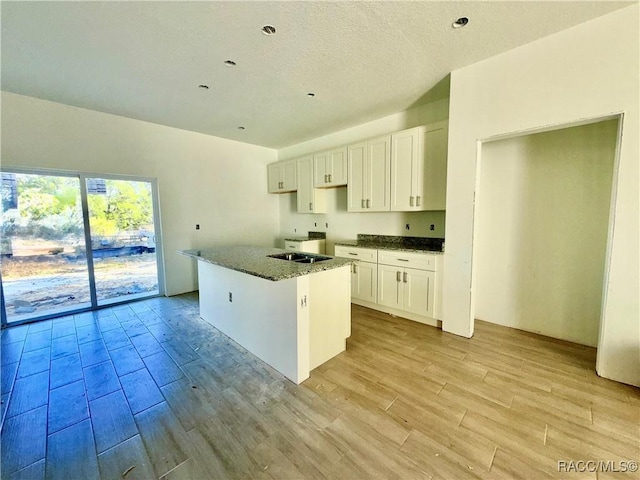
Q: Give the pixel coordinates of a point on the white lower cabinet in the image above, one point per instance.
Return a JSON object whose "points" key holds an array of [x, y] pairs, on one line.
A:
{"points": [[389, 286], [406, 289], [401, 283], [418, 291], [364, 273], [364, 281], [307, 246]]}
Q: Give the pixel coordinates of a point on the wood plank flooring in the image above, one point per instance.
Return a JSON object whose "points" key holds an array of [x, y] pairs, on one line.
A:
{"points": [[149, 390]]}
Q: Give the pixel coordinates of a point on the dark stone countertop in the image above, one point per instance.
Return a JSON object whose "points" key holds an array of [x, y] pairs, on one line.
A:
{"points": [[389, 242]]}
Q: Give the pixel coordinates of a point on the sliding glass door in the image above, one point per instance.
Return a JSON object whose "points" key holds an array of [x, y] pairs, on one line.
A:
{"points": [[123, 239], [70, 243]]}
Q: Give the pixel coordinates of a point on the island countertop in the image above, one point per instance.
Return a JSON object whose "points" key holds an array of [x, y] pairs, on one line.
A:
{"points": [[254, 261]]}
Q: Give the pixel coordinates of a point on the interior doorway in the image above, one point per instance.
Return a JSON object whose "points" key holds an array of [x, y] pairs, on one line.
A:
{"points": [[72, 243], [541, 230]]}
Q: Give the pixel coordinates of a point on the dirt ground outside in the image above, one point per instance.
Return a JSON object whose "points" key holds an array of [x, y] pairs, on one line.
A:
{"points": [[38, 284]]}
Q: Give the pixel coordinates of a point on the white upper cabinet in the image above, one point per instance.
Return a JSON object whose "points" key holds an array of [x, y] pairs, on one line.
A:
{"points": [[407, 166], [310, 199], [419, 168], [402, 172], [436, 138], [281, 176], [330, 168], [368, 163]]}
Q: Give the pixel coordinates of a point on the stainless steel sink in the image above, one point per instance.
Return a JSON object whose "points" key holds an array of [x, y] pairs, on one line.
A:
{"points": [[299, 257]]}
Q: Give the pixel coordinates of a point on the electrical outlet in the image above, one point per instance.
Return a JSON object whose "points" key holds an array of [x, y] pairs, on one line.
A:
{"points": [[407, 226], [197, 226], [230, 297], [432, 227]]}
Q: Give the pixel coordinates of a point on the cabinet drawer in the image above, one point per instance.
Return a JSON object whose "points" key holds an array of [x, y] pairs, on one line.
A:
{"points": [[364, 254], [289, 245], [421, 261]]}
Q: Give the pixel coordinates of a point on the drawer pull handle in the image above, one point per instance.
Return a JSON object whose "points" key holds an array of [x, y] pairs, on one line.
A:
{"points": [[411, 201], [402, 259], [418, 201], [404, 277], [398, 276], [351, 253]]}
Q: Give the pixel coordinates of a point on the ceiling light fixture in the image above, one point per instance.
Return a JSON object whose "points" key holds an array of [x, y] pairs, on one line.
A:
{"points": [[461, 22], [230, 63], [203, 87], [240, 128], [268, 30]]}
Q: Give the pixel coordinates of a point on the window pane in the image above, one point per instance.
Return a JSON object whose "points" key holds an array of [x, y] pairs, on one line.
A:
{"points": [[122, 239], [43, 262]]}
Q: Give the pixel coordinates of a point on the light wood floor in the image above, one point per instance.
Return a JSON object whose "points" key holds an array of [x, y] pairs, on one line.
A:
{"points": [[149, 390]]}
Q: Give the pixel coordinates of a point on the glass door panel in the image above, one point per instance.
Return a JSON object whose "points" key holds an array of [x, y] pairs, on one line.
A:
{"points": [[123, 239], [43, 259]]}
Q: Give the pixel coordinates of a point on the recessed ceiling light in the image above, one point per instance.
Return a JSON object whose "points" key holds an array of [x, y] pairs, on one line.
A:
{"points": [[240, 128], [268, 30], [461, 22], [311, 94], [203, 87], [230, 63]]}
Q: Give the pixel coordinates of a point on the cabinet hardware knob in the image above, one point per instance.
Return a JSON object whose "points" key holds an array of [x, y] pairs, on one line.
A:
{"points": [[404, 277], [363, 204], [398, 276], [418, 201], [355, 268], [325, 178], [368, 203], [411, 201], [310, 206], [329, 178]]}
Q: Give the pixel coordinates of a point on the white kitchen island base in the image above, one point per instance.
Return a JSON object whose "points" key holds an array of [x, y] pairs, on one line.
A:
{"points": [[294, 325]]}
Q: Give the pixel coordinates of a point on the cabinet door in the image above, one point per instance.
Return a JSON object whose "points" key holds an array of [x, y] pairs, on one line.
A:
{"points": [[310, 200], [377, 170], [320, 173], [289, 176], [274, 172], [435, 167], [337, 166], [406, 170], [305, 185], [418, 289], [390, 286], [357, 155], [364, 282]]}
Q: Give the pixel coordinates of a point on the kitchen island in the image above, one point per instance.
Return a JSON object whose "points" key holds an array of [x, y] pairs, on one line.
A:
{"points": [[293, 315]]}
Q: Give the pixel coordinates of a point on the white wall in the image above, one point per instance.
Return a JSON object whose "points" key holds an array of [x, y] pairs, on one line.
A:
{"points": [[344, 225], [587, 71], [542, 218], [220, 184]]}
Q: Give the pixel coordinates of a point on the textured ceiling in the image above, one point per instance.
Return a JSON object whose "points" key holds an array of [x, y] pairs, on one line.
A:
{"points": [[363, 60]]}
